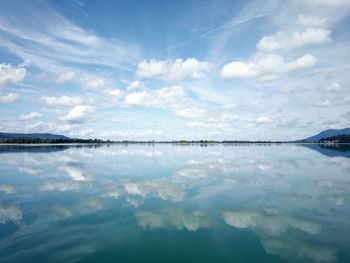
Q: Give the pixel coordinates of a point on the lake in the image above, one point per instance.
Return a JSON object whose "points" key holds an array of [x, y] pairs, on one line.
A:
{"points": [[174, 203]]}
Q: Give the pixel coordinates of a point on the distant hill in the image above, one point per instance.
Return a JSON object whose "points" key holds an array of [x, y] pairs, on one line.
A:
{"points": [[4, 135], [326, 134]]}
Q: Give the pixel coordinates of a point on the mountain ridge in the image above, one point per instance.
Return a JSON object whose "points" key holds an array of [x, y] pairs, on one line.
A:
{"points": [[326, 134], [8, 135]]}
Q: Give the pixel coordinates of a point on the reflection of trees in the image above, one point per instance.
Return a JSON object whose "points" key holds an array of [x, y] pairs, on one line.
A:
{"points": [[44, 148], [330, 150]]}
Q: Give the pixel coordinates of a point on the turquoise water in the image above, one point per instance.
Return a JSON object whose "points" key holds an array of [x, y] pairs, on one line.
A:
{"points": [[174, 203]]}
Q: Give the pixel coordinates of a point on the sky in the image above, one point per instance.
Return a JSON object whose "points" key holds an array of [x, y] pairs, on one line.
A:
{"points": [[171, 70]]}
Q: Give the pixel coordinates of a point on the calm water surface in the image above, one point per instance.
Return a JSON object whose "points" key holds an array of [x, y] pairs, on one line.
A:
{"points": [[174, 203]]}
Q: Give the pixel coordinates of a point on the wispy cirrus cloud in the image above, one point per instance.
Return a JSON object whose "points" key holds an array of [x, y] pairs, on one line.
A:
{"points": [[56, 45], [30, 116]]}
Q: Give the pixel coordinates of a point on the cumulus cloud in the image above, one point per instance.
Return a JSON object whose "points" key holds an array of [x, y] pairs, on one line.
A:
{"points": [[263, 120], [78, 113], [10, 97], [322, 103], [130, 134], [334, 87], [195, 124], [135, 85], [266, 67], [173, 70], [285, 40], [85, 80], [94, 83], [62, 100], [30, 116], [115, 92], [162, 97], [172, 217], [10, 75], [64, 77], [191, 113]]}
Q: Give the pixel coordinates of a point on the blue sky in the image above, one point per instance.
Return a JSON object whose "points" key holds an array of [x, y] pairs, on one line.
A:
{"points": [[175, 69]]}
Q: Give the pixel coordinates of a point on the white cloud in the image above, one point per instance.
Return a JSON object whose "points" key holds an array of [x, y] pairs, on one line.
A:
{"points": [[173, 70], [10, 97], [263, 120], [195, 124], [115, 92], [51, 46], [78, 113], [284, 40], [64, 77], [229, 106], [211, 120], [227, 117], [314, 21], [30, 116], [11, 75], [323, 103], [191, 113], [85, 80], [334, 87], [266, 67], [63, 100], [94, 83], [303, 62], [162, 97], [135, 85], [129, 134]]}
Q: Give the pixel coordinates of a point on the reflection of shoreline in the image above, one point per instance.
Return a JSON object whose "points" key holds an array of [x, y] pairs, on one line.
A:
{"points": [[40, 148], [331, 150]]}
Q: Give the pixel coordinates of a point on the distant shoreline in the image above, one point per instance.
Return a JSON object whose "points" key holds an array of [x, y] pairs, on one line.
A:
{"points": [[168, 142]]}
